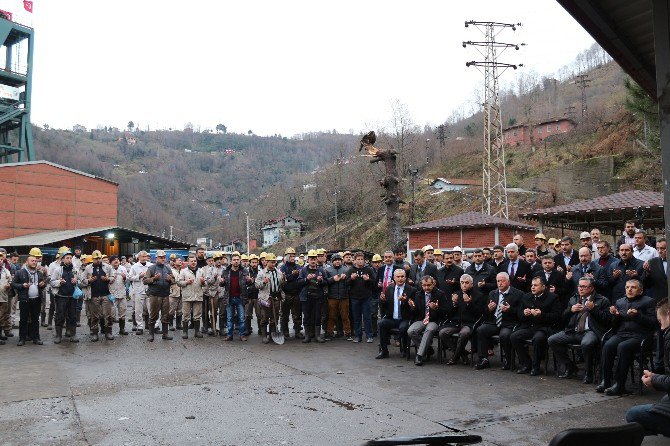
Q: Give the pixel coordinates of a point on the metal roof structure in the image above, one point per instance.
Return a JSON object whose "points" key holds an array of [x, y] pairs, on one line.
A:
{"points": [[607, 213], [47, 238], [625, 29], [470, 220]]}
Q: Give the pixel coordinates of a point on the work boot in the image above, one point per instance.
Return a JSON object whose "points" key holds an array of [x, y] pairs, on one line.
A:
{"points": [[108, 334], [178, 323], [184, 334], [43, 318], [299, 335], [94, 337], [59, 335], [151, 333], [122, 327], [198, 333], [309, 334], [73, 334], [157, 329], [67, 332], [319, 336], [50, 320], [264, 335], [166, 332], [171, 325], [9, 333]]}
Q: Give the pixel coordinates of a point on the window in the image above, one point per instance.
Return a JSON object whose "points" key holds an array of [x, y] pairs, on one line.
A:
{"points": [[539, 130], [558, 127], [548, 128], [514, 132]]}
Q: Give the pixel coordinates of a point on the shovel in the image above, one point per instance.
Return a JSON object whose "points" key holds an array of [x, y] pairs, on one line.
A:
{"points": [[277, 336]]}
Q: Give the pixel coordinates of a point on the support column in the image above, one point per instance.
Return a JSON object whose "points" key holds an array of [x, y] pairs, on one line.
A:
{"points": [[661, 10]]}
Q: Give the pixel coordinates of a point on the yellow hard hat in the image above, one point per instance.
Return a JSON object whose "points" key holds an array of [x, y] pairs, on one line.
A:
{"points": [[301, 262], [63, 249], [320, 252], [244, 257], [263, 255], [253, 257], [289, 251], [236, 253], [87, 258], [376, 258], [35, 252], [311, 253], [96, 254], [217, 255], [552, 241], [270, 256], [438, 252]]}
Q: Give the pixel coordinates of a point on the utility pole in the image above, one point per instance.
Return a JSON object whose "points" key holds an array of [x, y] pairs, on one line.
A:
{"points": [[339, 161], [427, 149], [441, 137], [570, 111], [494, 178], [583, 82], [413, 173], [247, 215]]}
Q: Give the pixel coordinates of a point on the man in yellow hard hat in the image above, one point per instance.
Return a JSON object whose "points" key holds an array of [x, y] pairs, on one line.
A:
{"points": [[291, 303], [312, 280], [98, 276], [244, 261], [138, 292], [117, 287], [64, 278], [439, 258], [29, 283], [159, 279], [262, 260], [49, 306], [269, 283], [252, 297]]}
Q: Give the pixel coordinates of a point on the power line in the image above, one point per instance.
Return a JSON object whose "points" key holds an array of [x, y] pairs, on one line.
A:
{"points": [[583, 82], [494, 178]]}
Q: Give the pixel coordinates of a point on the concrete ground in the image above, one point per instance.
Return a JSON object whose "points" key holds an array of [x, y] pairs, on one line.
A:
{"points": [[205, 391]]}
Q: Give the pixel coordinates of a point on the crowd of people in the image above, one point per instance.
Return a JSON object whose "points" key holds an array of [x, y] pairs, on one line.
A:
{"points": [[529, 300]]}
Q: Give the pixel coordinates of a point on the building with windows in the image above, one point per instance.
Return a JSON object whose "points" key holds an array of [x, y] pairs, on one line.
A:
{"points": [[280, 227], [528, 135]]}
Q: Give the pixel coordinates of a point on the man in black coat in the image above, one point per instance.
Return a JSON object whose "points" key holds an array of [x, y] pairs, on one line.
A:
{"points": [[568, 256], [553, 278], [623, 270], [449, 276], [586, 319], [499, 262], [500, 317], [635, 320], [395, 311], [483, 275], [420, 268], [538, 312], [655, 277], [655, 418], [517, 269], [29, 283], [428, 309]]}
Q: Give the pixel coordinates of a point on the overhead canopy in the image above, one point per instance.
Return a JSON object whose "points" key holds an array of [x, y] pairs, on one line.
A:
{"points": [[470, 220], [625, 29], [124, 235], [607, 213]]}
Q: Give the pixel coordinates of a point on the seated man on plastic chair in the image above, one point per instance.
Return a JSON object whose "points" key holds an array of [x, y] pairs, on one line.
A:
{"points": [[634, 321], [428, 307], [395, 311], [586, 319], [655, 418]]}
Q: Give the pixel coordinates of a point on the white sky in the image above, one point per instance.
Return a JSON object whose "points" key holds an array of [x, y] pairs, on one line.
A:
{"points": [[274, 66]]}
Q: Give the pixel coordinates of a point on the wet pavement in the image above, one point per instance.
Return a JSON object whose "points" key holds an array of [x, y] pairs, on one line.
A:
{"points": [[206, 391]]}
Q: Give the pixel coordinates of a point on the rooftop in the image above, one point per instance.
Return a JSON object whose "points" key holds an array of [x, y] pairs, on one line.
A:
{"points": [[58, 166], [470, 220]]}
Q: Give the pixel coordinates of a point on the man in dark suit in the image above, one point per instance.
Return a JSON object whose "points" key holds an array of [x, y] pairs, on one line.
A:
{"points": [[483, 275], [500, 317], [655, 280], [428, 310], [586, 319], [517, 269], [586, 268], [499, 262], [449, 277], [553, 279], [534, 261], [395, 311], [567, 257], [385, 272], [623, 270], [538, 312], [420, 268]]}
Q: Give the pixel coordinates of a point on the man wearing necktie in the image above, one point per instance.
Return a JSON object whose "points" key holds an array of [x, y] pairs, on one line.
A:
{"points": [[655, 281], [428, 309], [395, 310]]}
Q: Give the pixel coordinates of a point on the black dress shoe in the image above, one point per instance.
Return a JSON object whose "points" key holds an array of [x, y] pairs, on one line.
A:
{"points": [[536, 371], [20, 343], [38, 342], [382, 355], [588, 379], [452, 361], [600, 388], [483, 364], [505, 365], [616, 390], [418, 360], [523, 371], [570, 372]]}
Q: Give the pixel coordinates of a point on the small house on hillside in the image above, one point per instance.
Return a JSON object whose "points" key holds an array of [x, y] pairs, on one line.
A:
{"points": [[523, 134], [283, 226]]}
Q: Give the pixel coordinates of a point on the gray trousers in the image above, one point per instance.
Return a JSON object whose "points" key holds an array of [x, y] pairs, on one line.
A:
{"points": [[422, 335]]}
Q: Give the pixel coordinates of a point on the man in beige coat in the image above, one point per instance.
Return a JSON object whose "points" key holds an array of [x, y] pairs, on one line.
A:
{"points": [[191, 281]]}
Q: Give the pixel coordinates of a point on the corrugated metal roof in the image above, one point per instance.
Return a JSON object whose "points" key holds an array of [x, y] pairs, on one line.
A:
{"points": [[469, 220], [58, 166], [45, 238], [622, 201]]}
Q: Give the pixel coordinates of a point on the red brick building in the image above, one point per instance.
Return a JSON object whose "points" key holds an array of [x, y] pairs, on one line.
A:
{"points": [[39, 196], [520, 134], [469, 231]]}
